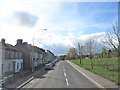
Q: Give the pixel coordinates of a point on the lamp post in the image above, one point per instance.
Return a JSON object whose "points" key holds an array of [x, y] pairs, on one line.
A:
{"points": [[33, 49], [35, 33]]}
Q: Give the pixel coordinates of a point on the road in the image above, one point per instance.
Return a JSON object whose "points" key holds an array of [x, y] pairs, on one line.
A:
{"points": [[63, 75]]}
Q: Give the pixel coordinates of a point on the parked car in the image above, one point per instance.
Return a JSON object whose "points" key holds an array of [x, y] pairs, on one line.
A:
{"points": [[48, 66], [45, 62], [53, 63]]}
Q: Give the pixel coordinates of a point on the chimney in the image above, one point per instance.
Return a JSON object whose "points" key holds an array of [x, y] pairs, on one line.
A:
{"points": [[19, 41], [3, 41]]}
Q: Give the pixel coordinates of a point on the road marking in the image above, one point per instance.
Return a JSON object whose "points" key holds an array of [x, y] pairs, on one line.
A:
{"points": [[64, 74], [63, 69], [100, 86], [65, 77], [67, 81]]}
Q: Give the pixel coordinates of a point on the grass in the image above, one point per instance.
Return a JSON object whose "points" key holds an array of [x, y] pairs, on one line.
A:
{"points": [[105, 67]]}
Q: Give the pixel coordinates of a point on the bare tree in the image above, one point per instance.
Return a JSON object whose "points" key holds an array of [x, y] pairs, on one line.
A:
{"points": [[90, 46], [112, 38]]}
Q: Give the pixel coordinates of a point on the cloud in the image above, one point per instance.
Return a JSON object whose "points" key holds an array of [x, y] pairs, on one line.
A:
{"points": [[60, 44], [25, 18], [67, 23]]}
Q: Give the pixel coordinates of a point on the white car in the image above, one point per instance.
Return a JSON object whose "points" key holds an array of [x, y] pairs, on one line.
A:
{"points": [[48, 66], [53, 62]]}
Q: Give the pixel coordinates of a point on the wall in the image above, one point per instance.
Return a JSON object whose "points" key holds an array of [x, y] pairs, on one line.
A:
{"points": [[0, 64], [7, 66]]}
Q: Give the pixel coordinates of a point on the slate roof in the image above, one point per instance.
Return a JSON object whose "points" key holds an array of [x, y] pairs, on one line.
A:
{"points": [[9, 47]]}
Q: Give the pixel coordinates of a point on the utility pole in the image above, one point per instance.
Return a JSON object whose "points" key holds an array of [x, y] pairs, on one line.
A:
{"points": [[79, 52]]}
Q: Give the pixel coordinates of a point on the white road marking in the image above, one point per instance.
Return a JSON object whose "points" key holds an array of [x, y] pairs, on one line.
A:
{"points": [[63, 69], [64, 74], [67, 81], [100, 86], [65, 77]]}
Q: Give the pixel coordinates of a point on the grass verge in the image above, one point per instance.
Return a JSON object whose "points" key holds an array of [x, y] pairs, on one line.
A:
{"points": [[105, 67]]}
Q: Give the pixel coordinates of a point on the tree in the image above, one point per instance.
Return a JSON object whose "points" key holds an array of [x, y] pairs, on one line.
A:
{"points": [[73, 53], [68, 56], [104, 52], [112, 39], [90, 46]]}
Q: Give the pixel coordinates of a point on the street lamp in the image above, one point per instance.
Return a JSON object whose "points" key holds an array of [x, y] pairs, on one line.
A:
{"points": [[33, 59], [35, 33]]}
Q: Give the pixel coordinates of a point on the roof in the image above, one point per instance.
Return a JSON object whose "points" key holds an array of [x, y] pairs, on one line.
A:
{"points": [[50, 52], [39, 49], [9, 46]]}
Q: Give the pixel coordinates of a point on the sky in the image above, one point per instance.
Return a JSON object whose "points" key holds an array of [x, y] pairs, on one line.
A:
{"points": [[67, 23]]}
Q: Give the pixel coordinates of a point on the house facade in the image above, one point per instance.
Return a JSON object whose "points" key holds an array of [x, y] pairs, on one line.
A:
{"points": [[27, 52], [39, 56], [0, 64], [32, 55], [12, 61], [49, 56]]}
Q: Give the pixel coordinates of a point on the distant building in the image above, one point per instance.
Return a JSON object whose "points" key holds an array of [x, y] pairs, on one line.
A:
{"points": [[39, 56], [12, 61], [62, 57], [49, 56]]}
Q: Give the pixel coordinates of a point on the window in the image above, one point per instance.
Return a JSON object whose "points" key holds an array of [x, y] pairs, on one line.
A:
{"points": [[15, 55], [2, 68], [7, 54], [9, 67], [17, 66], [20, 55], [12, 54]]}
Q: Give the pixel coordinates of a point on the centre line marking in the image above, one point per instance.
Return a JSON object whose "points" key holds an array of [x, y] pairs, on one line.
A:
{"points": [[63, 69], [67, 82], [64, 74]]}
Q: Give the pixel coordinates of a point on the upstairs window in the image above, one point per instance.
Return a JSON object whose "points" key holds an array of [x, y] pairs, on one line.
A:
{"points": [[7, 54]]}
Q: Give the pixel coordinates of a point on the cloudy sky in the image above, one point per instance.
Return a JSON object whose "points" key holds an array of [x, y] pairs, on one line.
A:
{"points": [[67, 23]]}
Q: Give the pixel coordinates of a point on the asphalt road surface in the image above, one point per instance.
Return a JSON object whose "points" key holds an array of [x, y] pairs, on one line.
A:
{"points": [[63, 75]]}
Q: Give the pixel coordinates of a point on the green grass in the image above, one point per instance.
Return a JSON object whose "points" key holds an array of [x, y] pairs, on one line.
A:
{"points": [[105, 67]]}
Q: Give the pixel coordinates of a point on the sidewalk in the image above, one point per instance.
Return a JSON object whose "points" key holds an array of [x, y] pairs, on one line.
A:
{"points": [[21, 82], [96, 79]]}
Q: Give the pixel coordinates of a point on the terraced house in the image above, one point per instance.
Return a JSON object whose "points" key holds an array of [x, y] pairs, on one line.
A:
{"points": [[33, 56], [49, 56], [12, 61]]}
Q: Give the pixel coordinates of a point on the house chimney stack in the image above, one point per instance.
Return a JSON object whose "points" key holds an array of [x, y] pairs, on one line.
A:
{"points": [[19, 41], [3, 41]]}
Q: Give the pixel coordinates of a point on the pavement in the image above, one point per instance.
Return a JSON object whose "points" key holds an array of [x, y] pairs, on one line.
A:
{"points": [[65, 74], [21, 82]]}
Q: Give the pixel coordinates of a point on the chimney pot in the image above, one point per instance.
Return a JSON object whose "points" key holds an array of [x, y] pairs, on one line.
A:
{"points": [[19, 41]]}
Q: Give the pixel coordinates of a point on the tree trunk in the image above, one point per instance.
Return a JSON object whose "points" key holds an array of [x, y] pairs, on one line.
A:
{"points": [[91, 63], [118, 64], [80, 60]]}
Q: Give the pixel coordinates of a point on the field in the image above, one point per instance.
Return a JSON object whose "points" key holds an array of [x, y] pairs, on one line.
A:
{"points": [[105, 67]]}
